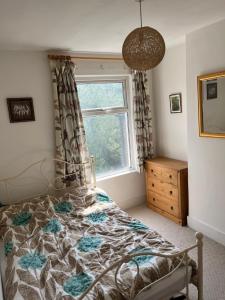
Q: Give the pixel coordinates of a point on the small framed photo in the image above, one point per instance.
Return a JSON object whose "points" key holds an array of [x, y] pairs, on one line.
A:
{"points": [[175, 103], [211, 90], [20, 109]]}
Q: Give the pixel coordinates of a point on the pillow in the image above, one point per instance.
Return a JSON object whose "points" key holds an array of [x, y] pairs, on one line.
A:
{"points": [[95, 196], [101, 196], [101, 202], [80, 201], [45, 207], [81, 197], [21, 213], [64, 201]]}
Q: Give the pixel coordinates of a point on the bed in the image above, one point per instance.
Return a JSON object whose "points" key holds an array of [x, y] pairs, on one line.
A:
{"points": [[78, 244]]}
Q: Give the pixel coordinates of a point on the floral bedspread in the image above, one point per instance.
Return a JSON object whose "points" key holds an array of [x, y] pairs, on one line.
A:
{"points": [[56, 247]]}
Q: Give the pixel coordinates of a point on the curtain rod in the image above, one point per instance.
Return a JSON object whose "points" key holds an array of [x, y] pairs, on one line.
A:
{"points": [[51, 56]]}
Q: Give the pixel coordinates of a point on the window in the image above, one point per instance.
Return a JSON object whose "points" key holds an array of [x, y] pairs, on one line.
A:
{"points": [[104, 104]]}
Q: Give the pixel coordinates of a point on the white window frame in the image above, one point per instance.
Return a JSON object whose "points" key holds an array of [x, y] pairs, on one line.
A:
{"points": [[128, 108]]}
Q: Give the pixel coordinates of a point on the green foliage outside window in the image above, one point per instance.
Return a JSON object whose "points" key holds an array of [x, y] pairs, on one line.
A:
{"points": [[107, 135]]}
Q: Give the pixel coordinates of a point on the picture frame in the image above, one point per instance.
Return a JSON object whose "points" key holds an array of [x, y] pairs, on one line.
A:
{"points": [[175, 103], [20, 109], [211, 90]]}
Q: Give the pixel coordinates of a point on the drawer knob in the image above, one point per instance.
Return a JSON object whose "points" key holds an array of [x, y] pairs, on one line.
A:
{"points": [[171, 192], [152, 170], [170, 176], [153, 184], [171, 207], [153, 199]]}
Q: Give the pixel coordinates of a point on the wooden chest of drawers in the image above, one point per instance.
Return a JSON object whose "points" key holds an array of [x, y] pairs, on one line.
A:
{"points": [[167, 188]]}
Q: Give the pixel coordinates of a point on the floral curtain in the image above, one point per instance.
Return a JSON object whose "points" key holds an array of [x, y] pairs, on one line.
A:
{"points": [[142, 118], [69, 128]]}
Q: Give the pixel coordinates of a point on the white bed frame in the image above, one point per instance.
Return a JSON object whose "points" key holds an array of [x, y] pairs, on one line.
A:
{"points": [[6, 183]]}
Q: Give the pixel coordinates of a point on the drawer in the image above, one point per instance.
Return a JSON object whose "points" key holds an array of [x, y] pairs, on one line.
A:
{"points": [[162, 188], [153, 170], [169, 176], [164, 204], [164, 174]]}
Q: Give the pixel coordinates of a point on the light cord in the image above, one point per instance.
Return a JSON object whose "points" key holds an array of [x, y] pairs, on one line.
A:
{"points": [[140, 1]]}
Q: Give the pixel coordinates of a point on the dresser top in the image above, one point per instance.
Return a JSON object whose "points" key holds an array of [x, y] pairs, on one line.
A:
{"points": [[169, 163]]}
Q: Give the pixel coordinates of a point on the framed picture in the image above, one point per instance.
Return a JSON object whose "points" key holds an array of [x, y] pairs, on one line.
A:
{"points": [[211, 90], [175, 103], [20, 109]]}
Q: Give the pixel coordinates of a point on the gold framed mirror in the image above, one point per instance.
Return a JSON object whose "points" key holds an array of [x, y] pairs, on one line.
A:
{"points": [[211, 105]]}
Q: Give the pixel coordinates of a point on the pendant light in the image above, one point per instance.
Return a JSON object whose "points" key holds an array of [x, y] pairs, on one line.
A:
{"points": [[144, 48]]}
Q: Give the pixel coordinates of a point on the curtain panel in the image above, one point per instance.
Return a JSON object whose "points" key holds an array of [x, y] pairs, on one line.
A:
{"points": [[69, 128], [142, 118]]}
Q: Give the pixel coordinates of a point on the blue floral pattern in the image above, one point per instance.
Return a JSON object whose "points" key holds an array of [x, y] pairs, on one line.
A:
{"points": [[89, 243], [141, 260], [22, 218], [59, 255], [8, 248], [137, 225], [77, 284], [63, 207], [52, 226], [103, 198], [97, 218], [32, 260]]}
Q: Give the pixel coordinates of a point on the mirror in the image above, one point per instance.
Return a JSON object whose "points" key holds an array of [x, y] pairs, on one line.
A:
{"points": [[211, 105]]}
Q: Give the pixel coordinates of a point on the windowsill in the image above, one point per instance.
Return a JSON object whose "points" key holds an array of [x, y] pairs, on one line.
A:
{"points": [[122, 173]]}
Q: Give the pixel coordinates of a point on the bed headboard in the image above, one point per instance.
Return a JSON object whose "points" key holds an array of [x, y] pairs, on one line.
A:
{"points": [[38, 179]]}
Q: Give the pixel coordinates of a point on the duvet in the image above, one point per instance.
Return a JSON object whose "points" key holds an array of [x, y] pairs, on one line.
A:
{"points": [[55, 248]]}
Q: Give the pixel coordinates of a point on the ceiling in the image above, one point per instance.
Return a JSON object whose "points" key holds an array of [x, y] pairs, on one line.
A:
{"points": [[98, 25]]}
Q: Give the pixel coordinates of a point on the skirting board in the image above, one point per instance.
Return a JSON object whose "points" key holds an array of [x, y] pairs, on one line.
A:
{"points": [[207, 230]]}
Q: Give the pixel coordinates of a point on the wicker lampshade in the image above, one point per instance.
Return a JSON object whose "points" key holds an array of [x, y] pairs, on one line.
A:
{"points": [[143, 48]]}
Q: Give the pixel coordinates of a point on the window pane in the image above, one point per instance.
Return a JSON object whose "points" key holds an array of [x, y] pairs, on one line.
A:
{"points": [[107, 138], [100, 95]]}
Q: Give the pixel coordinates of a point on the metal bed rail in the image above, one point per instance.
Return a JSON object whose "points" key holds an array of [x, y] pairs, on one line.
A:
{"points": [[49, 184], [184, 260]]}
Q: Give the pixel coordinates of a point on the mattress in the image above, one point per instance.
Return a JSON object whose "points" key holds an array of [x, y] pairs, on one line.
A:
{"points": [[168, 287]]}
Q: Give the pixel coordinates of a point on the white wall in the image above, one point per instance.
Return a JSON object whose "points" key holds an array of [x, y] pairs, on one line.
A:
{"points": [[127, 190], [26, 74], [205, 54], [170, 77]]}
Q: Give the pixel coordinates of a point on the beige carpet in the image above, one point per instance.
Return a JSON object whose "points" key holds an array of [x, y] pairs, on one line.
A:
{"points": [[214, 253]]}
